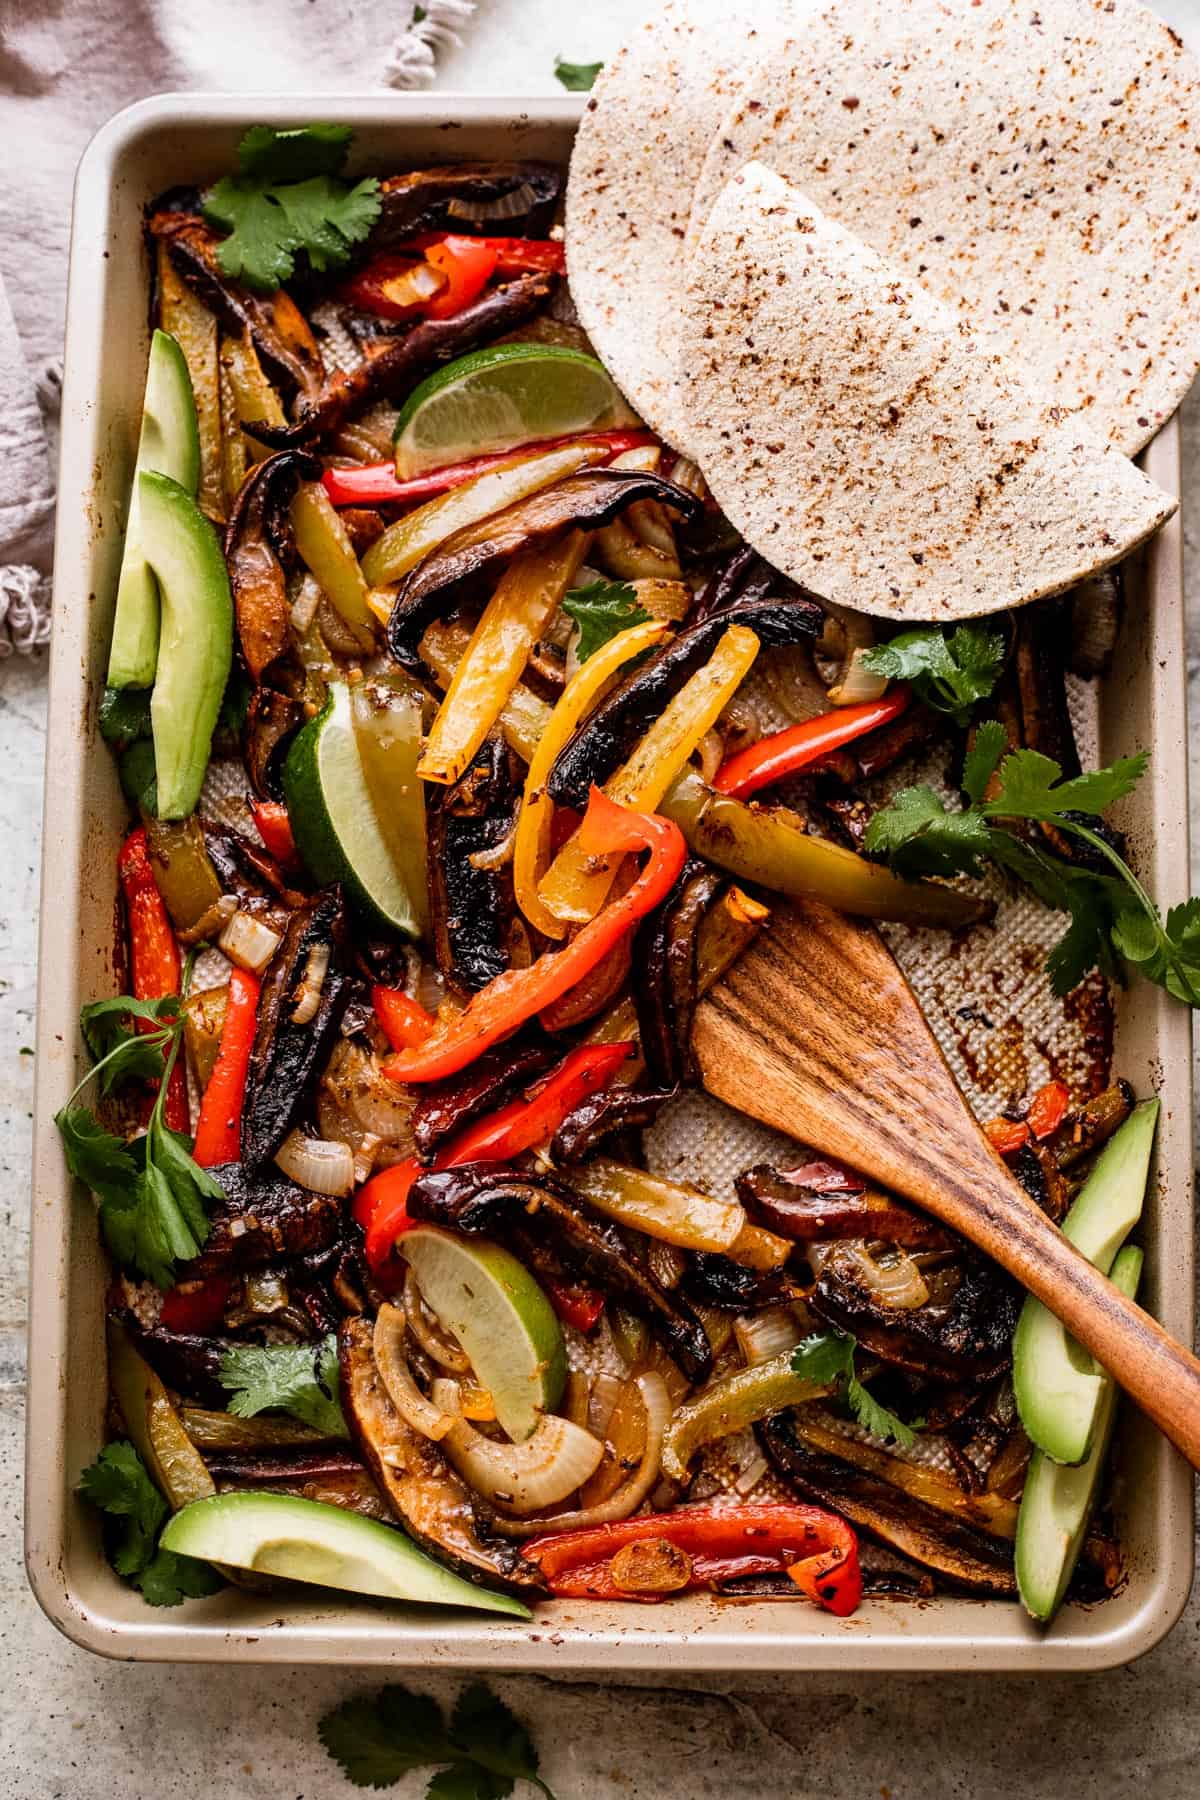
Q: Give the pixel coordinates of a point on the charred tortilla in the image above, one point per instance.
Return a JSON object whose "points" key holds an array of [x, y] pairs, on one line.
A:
{"points": [[865, 443], [1036, 167]]}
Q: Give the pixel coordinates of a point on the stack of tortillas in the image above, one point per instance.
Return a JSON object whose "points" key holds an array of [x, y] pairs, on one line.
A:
{"points": [[984, 287]]}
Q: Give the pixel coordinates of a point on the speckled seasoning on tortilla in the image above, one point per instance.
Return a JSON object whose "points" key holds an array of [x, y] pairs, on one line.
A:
{"points": [[863, 440], [1037, 167], [639, 149]]}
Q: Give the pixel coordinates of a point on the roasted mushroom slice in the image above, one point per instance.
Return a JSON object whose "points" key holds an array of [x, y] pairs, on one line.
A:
{"points": [[610, 731], [820, 1202], [535, 1213], [272, 720], [741, 574], [471, 902], [604, 1115], [667, 976], [432, 1503], [590, 498], [260, 549], [262, 1219], [961, 1335], [712, 1280], [292, 1043], [443, 1108], [516, 198]]}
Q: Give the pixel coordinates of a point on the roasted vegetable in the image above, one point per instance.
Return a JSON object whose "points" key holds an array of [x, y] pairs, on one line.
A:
{"points": [[740, 574], [604, 1115], [1092, 1124], [262, 1219], [288, 1056], [472, 904], [517, 198], [666, 986], [609, 733], [444, 1109], [260, 549], [432, 1503], [585, 499], [272, 720], [536, 1213], [967, 1337], [713, 1280], [821, 1201]]}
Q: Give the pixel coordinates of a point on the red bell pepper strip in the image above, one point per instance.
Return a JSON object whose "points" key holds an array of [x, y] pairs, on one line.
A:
{"points": [[1006, 1135], [817, 1548], [505, 1004], [377, 484], [404, 1021], [468, 265], [575, 1304], [275, 830], [514, 255], [196, 1307], [381, 1208], [1048, 1109], [153, 955], [786, 752], [219, 1127]]}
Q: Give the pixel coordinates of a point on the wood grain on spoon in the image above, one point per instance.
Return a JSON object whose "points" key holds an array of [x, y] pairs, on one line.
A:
{"points": [[815, 1032]]}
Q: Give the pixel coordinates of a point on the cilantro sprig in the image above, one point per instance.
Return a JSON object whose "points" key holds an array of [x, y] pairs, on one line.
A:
{"points": [[950, 674], [288, 198], [827, 1359], [601, 610], [483, 1753], [135, 1512], [301, 1379], [152, 1193], [1112, 915], [577, 78]]}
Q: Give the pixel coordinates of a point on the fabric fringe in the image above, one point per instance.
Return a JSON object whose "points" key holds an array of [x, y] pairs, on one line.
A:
{"points": [[412, 61], [24, 610]]}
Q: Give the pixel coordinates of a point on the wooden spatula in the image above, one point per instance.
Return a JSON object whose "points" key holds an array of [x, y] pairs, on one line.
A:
{"points": [[815, 1032]]}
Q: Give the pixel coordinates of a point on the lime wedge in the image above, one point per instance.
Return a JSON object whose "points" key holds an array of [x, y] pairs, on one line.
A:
{"points": [[498, 398]]}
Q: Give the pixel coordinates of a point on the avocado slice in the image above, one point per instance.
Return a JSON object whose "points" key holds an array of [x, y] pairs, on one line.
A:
{"points": [[196, 645], [306, 1540], [1057, 1503], [1058, 1385], [169, 443], [500, 1316]]}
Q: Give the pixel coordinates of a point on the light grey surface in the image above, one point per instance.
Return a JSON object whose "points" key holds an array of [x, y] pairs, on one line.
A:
{"points": [[73, 1726]]}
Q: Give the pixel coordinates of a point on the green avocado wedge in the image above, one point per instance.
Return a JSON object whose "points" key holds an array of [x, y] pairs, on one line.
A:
{"points": [[170, 444], [1058, 1385], [195, 649], [1057, 1503], [306, 1540]]}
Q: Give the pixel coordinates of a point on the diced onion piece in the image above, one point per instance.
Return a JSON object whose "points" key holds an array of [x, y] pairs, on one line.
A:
{"points": [[365, 1156], [323, 1165], [858, 684], [762, 1335], [249, 943], [308, 994], [670, 1210], [391, 1362], [627, 1499], [541, 1472], [687, 475], [418, 282]]}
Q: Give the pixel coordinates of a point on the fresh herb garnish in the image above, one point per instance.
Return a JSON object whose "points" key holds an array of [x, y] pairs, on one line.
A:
{"points": [[301, 1379], [485, 1751], [577, 78], [124, 715], [601, 610], [288, 197], [117, 1483], [152, 1193], [138, 775], [1112, 916], [951, 674], [827, 1359]]}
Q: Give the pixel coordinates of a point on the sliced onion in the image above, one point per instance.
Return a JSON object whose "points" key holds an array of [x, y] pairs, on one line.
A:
{"points": [[628, 1498], [322, 1165], [687, 475], [543, 1470], [364, 1157], [792, 682], [845, 632], [762, 1335], [500, 855], [304, 606], [858, 684], [604, 1393], [439, 1348], [419, 282], [710, 753], [505, 206], [749, 1477], [893, 1278], [249, 943], [308, 994], [388, 1348], [355, 1090], [577, 1398]]}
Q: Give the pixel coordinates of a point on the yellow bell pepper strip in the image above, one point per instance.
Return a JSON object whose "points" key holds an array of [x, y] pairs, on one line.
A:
{"points": [[505, 1004], [376, 483], [194, 329], [252, 399], [531, 850], [524, 720], [575, 886], [526, 597], [670, 1210], [325, 549], [514, 478], [731, 1404], [787, 752], [769, 846]]}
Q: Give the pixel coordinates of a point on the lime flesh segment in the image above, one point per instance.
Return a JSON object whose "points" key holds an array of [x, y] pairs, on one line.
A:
{"points": [[337, 829], [500, 1316], [499, 398], [306, 1540]]}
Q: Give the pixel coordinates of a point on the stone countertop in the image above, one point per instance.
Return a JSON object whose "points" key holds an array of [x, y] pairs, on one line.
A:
{"points": [[77, 1727]]}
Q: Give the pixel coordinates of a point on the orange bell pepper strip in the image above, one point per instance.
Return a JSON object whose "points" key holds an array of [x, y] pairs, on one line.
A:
{"points": [[1006, 1135], [219, 1127], [505, 1004], [1048, 1109], [787, 752], [153, 955], [275, 830]]}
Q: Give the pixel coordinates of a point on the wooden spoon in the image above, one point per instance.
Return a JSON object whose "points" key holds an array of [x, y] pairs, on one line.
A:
{"points": [[816, 1032]]}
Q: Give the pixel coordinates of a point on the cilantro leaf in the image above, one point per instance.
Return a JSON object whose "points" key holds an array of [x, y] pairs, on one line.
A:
{"points": [[298, 1378], [601, 610], [919, 837], [121, 1051], [951, 674], [876, 1418], [377, 1740], [287, 198], [118, 1484], [493, 1736], [124, 715], [93, 1154], [827, 1358], [979, 764], [577, 78], [1032, 786]]}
